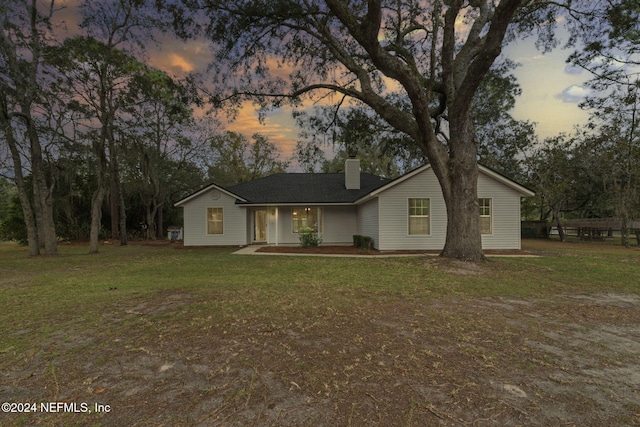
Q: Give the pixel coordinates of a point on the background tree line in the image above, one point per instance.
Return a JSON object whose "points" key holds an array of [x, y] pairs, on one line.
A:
{"points": [[94, 143]]}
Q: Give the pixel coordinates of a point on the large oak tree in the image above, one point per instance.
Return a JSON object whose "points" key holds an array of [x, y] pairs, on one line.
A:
{"points": [[416, 63], [24, 39]]}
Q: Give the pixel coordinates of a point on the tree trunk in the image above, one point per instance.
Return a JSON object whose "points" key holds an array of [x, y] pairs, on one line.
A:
{"points": [[25, 202], [27, 212], [460, 190], [41, 195], [113, 207], [123, 215], [118, 208], [160, 223], [463, 241], [44, 209], [625, 231], [96, 218], [561, 234], [151, 213], [114, 189], [98, 198], [32, 231]]}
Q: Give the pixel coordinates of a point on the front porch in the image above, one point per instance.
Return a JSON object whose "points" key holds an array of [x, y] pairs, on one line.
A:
{"points": [[279, 225]]}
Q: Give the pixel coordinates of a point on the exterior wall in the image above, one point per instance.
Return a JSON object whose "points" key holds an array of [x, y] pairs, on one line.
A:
{"points": [[339, 224], [393, 218], [368, 220], [195, 221], [505, 214], [394, 214], [384, 219]]}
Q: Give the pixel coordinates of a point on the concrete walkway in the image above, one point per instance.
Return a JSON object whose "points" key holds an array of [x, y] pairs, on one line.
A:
{"points": [[253, 250]]}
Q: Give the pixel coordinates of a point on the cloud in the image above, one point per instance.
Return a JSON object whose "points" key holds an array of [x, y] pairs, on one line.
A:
{"points": [[279, 127], [573, 94], [177, 57], [572, 70]]}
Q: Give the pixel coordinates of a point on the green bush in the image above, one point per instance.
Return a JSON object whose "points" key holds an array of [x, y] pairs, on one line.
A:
{"points": [[309, 238], [364, 242], [12, 226]]}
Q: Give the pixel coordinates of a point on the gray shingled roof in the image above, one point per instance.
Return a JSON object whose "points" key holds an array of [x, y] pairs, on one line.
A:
{"points": [[307, 188]]}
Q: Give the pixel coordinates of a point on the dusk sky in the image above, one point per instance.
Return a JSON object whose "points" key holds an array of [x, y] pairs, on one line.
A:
{"points": [[551, 90]]}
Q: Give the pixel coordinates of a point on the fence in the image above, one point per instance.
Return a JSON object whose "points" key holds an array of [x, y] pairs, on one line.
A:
{"points": [[598, 228]]}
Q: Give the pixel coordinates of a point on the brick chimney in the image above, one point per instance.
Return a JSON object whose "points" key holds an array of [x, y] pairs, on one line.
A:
{"points": [[352, 174]]}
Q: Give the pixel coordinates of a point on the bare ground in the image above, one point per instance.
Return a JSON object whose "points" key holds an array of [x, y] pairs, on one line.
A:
{"points": [[570, 361]]}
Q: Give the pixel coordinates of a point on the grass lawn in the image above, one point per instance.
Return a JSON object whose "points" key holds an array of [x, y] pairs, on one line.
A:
{"points": [[153, 335]]}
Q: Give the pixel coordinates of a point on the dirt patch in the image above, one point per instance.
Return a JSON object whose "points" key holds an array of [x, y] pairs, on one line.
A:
{"points": [[443, 362]]}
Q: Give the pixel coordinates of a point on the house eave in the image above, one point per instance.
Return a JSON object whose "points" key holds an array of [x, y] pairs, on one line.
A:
{"points": [[524, 191], [204, 190], [393, 183], [293, 204]]}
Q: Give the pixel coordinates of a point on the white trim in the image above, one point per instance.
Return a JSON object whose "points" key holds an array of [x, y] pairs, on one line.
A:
{"points": [[525, 192], [393, 183], [295, 205], [204, 190], [255, 225], [319, 215], [207, 221], [491, 216], [277, 220], [428, 199]]}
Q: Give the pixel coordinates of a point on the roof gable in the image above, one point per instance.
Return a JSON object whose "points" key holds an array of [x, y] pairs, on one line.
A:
{"points": [[524, 191], [205, 190]]}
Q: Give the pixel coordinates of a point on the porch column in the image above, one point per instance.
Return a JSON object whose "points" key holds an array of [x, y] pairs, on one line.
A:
{"points": [[276, 226]]}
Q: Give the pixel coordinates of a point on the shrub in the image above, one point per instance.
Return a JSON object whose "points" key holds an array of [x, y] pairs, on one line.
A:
{"points": [[309, 238], [364, 242]]}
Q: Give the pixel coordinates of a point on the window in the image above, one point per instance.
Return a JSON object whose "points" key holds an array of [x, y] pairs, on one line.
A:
{"points": [[306, 217], [485, 216], [419, 217], [214, 221]]}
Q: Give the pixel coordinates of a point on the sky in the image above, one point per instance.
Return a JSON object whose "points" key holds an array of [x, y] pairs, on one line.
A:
{"points": [[551, 90]]}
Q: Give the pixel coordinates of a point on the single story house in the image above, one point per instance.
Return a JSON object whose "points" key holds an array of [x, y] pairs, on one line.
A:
{"points": [[400, 214]]}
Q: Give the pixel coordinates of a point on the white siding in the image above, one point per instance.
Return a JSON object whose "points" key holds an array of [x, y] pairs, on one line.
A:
{"points": [[340, 224], [393, 214], [285, 234], [195, 221], [368, 220], [505, 214]]}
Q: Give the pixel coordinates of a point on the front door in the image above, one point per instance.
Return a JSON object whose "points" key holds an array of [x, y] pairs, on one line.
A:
{"points": [[260, 225]]}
